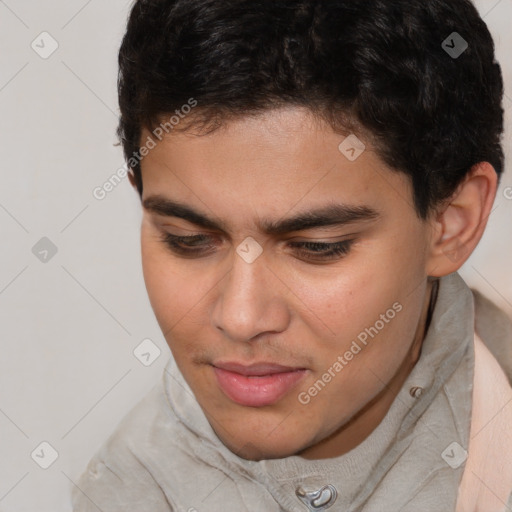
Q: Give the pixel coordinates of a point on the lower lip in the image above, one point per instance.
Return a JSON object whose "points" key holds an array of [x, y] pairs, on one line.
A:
{"points": [[257, 391]]}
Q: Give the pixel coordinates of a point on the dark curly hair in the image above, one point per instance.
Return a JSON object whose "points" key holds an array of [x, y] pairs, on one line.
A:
{"points": [[365, 66]]}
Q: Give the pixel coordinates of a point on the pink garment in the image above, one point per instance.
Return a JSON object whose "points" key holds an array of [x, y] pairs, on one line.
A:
{"points": [[487, 480]]}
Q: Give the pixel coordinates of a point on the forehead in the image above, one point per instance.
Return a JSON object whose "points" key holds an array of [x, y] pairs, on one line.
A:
{"points": [[279, 162]]}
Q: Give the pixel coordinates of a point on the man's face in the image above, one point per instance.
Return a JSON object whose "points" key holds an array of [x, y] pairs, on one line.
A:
{"points": [[257, 318]]}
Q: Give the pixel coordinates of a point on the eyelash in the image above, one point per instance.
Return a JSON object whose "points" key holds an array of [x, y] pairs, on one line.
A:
{"points": [[308, 250]]}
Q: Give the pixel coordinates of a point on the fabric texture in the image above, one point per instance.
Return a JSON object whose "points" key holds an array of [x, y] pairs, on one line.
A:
{"points": [[165, 456], [487, 481]]}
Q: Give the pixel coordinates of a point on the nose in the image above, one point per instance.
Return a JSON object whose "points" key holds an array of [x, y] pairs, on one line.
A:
{"points": [[250, 301]]}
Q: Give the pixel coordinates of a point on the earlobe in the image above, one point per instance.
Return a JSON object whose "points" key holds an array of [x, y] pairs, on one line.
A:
{"points": [[131, 177], [460, 223]]}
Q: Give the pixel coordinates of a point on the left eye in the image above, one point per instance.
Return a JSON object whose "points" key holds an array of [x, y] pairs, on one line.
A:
{"points": [[323, 250], [200, 244]]}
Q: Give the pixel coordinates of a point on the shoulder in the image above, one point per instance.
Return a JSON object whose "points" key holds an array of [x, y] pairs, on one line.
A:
{"points": [[494, 327], [487, 481], [117, 478]]}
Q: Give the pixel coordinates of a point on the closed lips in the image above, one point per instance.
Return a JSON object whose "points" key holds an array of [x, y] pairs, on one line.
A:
{"points": [[256, 385]]}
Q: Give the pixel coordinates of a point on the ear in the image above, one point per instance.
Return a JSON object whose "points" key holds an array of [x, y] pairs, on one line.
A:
{"points": [[131, 177], [460, 223]]}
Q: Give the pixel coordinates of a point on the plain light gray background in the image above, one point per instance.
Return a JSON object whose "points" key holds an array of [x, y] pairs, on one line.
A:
{"points": [[69, 325]]}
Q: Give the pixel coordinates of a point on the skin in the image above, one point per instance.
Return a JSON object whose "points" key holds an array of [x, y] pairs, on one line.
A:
{"points": [[290, 308]]}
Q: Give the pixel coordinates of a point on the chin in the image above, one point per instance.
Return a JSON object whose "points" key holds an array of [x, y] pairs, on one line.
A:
{"points": [[264, 448]]}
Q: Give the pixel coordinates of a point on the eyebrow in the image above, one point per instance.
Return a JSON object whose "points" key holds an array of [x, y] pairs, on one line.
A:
{"points": [[333, 214]]}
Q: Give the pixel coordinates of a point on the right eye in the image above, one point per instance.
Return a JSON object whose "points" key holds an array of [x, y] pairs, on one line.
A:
{"points": [[191, 246]]}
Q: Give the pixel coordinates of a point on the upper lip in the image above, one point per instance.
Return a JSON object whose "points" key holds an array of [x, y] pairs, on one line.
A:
{"points": [[255, 368]]}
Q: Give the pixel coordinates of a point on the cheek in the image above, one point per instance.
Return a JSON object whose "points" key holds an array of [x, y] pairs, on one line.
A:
{"points": [[341, 302], [172, 292], [375, 301]]}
